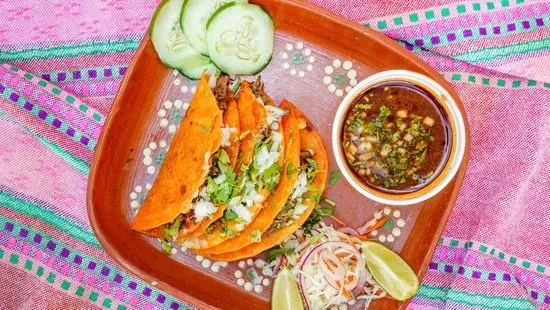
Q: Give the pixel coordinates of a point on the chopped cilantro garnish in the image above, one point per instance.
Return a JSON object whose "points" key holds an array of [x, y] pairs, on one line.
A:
{"points": [[230, 215], [312, 169], [166, 246], [171, 230], [252, 273], [271, 177], [275, 252], [334, 177], [255, 235]]}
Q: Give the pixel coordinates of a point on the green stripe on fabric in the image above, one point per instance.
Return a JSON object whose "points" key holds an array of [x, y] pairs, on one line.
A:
{"points": [[48, 217], [63, 284], [503, 51], [77, 163], [70, 51], [36, 109], [84, 259], [474, 300]]}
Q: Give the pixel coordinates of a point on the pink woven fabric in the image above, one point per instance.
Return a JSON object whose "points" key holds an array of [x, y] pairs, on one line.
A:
{"points": [[494, 252]]}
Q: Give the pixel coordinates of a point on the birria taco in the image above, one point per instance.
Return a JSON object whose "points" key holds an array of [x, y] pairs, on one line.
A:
{"points": [[261, 158], [193, 185], [311, 178]]}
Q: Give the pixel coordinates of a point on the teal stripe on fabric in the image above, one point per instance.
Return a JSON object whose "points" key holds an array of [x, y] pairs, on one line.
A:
{"points": [[85, 261], [70, 51], [475, 300], [468, 273], [48, 217], [503, 51], [21, 100], [77, 163]]}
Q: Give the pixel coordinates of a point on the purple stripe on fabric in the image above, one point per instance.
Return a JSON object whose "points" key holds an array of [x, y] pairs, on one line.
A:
{"points": [[14, 97], [46, 77], [92, 265], [61, 76], [92, 74], [534, 295], [84, 140], [448, 268], [122, 70], [2, 88], [451, 37], [105, 271], [511, 27], [506, 277], [37, 238], [483, 31], [492, 276], [23, 233], [419, 42], [42, 114], [70, 131], [65, 253], [526, 25], [51, 246], [435, 40], [8, 227], [77, 75], [496, 30], [547, 300], [118, 279], [77, 259], [433, 266], [461, 270], [409, 46], [476, 274], [56, 123], [539, 22], [108, 72], [174, 306], [147, 291], [28, 106], [467, 33], [161, 298], [132, 285]]}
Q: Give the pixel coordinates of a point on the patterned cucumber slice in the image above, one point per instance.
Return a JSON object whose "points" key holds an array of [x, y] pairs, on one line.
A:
{"points": [[196, 73], [240, 38], [172, 47], [193, 20]]}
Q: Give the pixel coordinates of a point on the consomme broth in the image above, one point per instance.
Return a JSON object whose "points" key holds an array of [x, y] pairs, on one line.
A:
{"points": [[396, 138]]}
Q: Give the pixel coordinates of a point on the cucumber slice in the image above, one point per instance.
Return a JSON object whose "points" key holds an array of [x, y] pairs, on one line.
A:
{"points": [[193, 20], [172, 47], [196, 73], [240, 38]]}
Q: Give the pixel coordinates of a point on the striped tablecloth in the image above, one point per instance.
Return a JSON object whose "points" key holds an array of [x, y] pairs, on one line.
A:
{"points": [[63, 61]]}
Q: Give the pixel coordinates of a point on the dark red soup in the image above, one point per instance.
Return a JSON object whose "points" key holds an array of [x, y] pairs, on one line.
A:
{"points": [[396, 138]]}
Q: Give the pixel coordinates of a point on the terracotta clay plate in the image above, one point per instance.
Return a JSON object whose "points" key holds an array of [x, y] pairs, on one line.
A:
{"points": [[317, 58]]}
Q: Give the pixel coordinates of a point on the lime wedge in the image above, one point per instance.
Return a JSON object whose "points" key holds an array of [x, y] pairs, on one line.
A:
{"points": [[285, 292], [390, 271]]}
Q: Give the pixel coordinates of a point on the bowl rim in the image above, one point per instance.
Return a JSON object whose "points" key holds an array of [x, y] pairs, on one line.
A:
{"points": [[458, 137]]}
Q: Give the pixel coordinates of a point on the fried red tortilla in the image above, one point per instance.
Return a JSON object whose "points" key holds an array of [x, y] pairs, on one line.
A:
{"points": [[186, 164], [276, 200], [252, 116], [310, 141], [231, 120]]}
